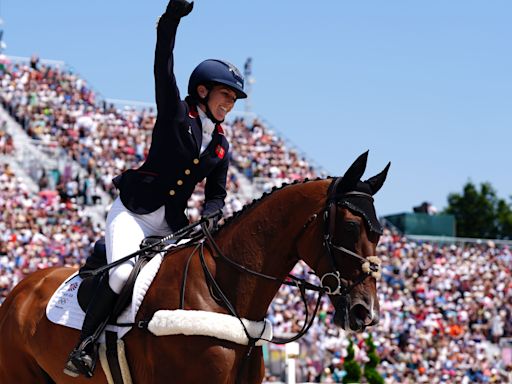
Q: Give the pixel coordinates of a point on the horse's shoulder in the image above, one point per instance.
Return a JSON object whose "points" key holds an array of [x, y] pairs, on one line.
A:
{"points": [[54, 273], [48, 279]]}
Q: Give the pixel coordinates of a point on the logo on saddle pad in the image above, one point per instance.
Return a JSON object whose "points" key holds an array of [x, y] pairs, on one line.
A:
{"points": [[73, 286], [64, 308]]}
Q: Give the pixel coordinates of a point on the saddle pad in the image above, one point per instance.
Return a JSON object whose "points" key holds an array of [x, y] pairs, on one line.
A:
{"points": [[63, 307], [203, 323]]}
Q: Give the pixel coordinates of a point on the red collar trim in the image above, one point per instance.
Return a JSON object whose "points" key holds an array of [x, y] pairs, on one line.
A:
{"points": [[192, 111]]}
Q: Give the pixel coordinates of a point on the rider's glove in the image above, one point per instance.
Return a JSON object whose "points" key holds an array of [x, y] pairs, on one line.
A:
{"points": [[212, 223], [179, 8]]}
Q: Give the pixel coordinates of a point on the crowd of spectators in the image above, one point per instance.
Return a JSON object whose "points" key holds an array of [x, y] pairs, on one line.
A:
{"points": [[264, 157], [58, 108], [444, 308], [38, 231]]}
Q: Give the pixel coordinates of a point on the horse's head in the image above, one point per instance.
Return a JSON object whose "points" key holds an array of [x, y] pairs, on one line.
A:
{"points": [[340, 246]]}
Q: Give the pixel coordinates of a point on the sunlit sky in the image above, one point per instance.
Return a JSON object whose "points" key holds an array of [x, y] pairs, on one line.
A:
{"points": [[425, 85]]}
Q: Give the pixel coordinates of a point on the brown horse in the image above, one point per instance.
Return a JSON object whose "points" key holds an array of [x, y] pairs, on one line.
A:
{"points": [[329, 224]]}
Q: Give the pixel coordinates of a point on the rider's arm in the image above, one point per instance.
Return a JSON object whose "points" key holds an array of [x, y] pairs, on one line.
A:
{"points": [[166, 91], [215, 188]]}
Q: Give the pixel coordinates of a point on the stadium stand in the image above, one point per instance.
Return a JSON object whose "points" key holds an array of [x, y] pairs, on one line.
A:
{"points": [[444, 308], [38, 230]]}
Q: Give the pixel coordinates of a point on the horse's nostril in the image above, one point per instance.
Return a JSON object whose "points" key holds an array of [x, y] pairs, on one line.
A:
{"points": [[359, 311], [361, 314]]}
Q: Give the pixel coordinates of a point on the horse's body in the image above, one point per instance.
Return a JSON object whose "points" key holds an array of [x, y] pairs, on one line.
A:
{"points": [[268, 237]]}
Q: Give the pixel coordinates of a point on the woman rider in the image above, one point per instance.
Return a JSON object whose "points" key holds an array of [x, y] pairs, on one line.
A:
{"points": [[188, 145]]}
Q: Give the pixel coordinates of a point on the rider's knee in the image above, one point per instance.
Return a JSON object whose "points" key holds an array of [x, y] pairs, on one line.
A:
{"points": [[119, 275]]}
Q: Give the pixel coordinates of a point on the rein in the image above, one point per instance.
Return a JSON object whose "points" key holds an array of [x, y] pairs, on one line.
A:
{"points": [[153, 247]]}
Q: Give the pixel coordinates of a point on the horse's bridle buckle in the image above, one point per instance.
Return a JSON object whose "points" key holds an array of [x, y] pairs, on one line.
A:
{"points": [[327, 288]]}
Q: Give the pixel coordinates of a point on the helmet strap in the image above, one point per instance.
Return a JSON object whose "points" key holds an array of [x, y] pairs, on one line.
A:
{"points": [[209, 113]]}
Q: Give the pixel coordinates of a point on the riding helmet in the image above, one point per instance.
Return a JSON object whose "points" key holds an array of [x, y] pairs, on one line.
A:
{"points": [[214, 71]]}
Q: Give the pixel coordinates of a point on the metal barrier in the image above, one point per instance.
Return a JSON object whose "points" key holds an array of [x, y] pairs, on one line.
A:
{"points": [[458, 240]]}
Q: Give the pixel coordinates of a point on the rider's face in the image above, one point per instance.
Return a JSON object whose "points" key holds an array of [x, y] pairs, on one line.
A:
{"points": [[221, 100]]}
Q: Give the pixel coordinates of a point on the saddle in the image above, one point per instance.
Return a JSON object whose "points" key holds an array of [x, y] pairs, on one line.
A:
{"points": [[97, 259]]}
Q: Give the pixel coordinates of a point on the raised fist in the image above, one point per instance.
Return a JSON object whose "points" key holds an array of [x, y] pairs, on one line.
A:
{"points": [[179, 8]]}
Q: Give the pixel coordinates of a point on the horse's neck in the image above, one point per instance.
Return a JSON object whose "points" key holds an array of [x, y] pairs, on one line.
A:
{"points": [[264, 240]]}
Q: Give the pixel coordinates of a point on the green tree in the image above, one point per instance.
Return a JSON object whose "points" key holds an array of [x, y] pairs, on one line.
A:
{"points": [[351, 366], [504, 214], [480, 213], [370, 368]]}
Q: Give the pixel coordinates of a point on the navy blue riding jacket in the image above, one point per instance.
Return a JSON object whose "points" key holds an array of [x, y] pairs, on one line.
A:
{"points": [[174, 164]]}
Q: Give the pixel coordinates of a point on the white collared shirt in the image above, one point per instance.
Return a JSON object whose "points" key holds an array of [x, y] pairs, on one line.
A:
{"points": [[208, 127]]}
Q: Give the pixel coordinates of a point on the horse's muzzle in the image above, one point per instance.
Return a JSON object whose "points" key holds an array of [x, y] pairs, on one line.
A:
{"points": [[357, 318]]}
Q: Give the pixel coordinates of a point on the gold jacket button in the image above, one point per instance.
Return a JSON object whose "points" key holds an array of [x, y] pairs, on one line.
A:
{"points": [[172, 192], [179, 182], [195, 161], [187, 171]]}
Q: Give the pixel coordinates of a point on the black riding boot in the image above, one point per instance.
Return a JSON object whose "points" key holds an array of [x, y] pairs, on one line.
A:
{"points": [[82, 359]]}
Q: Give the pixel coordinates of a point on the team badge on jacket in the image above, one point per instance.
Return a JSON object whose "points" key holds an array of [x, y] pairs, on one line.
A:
{"points": [[220, 151]]}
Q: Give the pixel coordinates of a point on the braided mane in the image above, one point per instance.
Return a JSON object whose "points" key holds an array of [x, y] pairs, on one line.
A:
{"points": [[265, 195]]}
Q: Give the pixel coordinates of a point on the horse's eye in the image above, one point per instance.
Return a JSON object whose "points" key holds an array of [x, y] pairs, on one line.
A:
{"points": [[351, 228]]}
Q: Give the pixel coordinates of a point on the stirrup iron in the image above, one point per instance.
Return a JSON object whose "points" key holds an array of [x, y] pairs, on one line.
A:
{"points": [[80, 361]]}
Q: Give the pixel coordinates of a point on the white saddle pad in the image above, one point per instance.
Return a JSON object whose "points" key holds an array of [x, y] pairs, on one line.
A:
{"points": [[63, 307]]}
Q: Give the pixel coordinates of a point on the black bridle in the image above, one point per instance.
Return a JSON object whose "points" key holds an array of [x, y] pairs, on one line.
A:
{"points": [[370, 265]]}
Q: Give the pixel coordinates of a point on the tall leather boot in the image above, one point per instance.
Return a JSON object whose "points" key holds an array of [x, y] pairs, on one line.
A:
{"points": [[82, 360]]}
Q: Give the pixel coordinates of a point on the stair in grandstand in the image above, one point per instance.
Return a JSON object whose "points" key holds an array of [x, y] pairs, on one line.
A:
{"points": [[32, 158]]}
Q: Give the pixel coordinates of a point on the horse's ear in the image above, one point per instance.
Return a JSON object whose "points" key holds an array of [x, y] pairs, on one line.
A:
{"points": [[377, 181], [354, 173]]}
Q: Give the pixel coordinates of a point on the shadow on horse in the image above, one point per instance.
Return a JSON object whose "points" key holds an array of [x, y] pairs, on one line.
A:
{"points": [[330, 224]]}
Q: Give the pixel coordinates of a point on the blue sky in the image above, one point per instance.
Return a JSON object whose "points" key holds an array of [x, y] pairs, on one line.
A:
{"points": [[426, 85]]}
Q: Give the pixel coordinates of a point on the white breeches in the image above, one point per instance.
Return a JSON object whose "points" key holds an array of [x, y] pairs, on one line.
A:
{"points": [[124, 232]]}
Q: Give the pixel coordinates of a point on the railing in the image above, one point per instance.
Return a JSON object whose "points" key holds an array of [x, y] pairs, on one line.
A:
{"points": [[21, 59], [458, 240]]}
